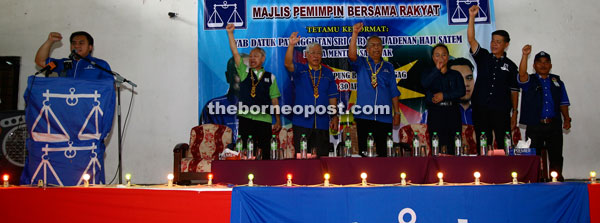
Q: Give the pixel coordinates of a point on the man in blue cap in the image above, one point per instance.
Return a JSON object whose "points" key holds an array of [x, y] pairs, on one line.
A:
{"points": [[544, 99]]}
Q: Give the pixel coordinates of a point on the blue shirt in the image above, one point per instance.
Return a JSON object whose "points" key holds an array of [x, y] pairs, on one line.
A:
{"points": [[547, 102], [304, 95], [382, 95], [81, 69]]}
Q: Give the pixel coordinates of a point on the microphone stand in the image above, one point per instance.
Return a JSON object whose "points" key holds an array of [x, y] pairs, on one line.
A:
{"points": [[119, 80]]}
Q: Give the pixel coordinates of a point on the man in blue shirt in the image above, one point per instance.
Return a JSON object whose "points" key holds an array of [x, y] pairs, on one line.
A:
{"points": [[496, 93], [375, 88], [76, 68], [544, 100], [315, 86]]}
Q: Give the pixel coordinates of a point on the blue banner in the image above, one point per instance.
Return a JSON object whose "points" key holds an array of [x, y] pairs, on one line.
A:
{"points": [[550, 202], [408, 28], [67, 121]]}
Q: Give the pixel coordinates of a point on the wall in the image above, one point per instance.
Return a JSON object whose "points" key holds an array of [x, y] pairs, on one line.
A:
{"points": [[140, 42]]}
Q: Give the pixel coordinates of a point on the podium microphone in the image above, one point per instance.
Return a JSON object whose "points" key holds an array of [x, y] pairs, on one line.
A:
{"points": [[49, 67]]}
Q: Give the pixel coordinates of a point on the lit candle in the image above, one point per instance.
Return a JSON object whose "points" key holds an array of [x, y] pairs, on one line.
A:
{"points": [[210, 178], [170, 177], [363, 176], [289, 180], [326, 183], [250, 178], [128, 179], [5, 179], [403, 177], [514, 178], [440, 175], [593, 177], [86, 180], [554, 174], [477, 175]]}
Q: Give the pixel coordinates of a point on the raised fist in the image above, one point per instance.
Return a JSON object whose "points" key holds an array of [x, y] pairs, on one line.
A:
{"points": [[357, 27], [230, 27], [54, 37], [526, 49], [473, 11]]}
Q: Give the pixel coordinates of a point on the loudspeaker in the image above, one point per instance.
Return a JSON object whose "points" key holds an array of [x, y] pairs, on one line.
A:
{"points": [[13, 133]]}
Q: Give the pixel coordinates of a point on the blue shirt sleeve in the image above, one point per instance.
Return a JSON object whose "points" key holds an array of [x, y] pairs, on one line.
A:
{"points": [[393, 86], [332, 91], [524, 85], [58, 62], [564, 97], [297, 69]]}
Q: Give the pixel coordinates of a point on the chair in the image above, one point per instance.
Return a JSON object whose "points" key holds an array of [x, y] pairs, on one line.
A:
{"points": [[192, 161], [407, 132], [285, 139]]}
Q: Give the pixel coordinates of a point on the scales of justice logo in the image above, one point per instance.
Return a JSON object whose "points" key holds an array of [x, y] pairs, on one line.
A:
{"points": [[216, 10], [458, 11]]}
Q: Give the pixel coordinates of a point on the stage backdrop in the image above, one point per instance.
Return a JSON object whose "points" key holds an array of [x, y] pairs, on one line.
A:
{"points": [[408, 28]]}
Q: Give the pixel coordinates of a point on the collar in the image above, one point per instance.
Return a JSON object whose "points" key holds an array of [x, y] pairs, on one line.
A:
{"points": [[311, 68], [257, 71], [86, 57], [373, 61], [541, 78], [501, 58]]}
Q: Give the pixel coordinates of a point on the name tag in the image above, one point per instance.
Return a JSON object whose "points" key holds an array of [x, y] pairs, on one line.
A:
{"points": [[521, 152]]}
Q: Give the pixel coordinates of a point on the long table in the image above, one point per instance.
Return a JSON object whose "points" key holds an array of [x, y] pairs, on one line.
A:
{"points": [[380, 170]]}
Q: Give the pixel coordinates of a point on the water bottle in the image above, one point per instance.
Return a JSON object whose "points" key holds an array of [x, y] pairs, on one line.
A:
{"points": [[250, 148], [483, 144], [303, 146], [507, 143], [348, 145], [370, 145], [273, 147], [389, 144], [239, 145], [458, 144], [435, 144], [415, 145]]}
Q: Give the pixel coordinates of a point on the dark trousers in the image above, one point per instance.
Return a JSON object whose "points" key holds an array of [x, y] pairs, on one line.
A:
{"points": [[261, 134], [318, 140], [446, 121], [549, 137], [488, 121], [380, 131]]}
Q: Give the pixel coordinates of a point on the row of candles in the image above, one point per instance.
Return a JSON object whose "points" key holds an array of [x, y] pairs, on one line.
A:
{"points": [[364, 183], [326, 177]]}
